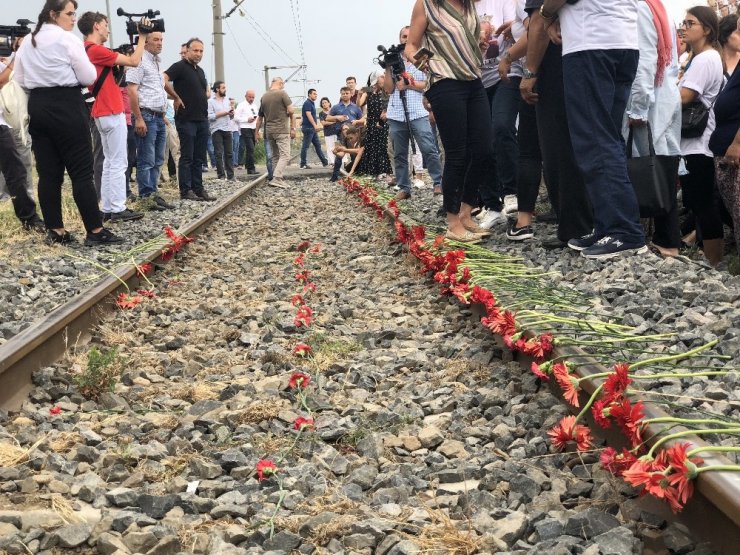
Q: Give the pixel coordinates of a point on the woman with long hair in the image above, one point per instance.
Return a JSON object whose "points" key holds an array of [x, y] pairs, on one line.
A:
{"points": [[450, 29], [53, 66], [702, 81], [330, 130], [375, 159]]}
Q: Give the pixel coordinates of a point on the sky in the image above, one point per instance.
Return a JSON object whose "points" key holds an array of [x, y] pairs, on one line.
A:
{"points": [[334, 38]]}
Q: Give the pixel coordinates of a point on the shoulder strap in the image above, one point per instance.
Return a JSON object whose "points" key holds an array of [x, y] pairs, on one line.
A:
{"points": [[100, 80]]}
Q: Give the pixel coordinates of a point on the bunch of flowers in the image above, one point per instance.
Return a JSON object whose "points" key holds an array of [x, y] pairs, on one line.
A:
{"points": [[665, 473]]}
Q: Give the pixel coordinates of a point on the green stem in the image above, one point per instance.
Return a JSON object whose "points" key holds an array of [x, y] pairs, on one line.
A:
{"points": [[677, 435], [689, 421], [679, 356], [719, 468], [590, 402], [713, 449], [277, 507]]}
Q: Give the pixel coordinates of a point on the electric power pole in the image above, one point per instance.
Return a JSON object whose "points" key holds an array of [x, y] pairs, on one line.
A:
{"points": [[218, 40], [110, 24]]}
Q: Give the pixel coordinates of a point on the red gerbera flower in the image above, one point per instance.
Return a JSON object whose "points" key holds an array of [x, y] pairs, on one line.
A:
{"points": [[568, 384], [540, 347], [629, 419], [302, 350], [303, 423], [303, 276], [300, 260], [297, 300], [144, 269], [616, 462], [310, 286], [299, 380], [567, 431], [537, 371], [127, 301], [55, 410], [601, 410], [616, 383], [265, 469], [303, 246]]}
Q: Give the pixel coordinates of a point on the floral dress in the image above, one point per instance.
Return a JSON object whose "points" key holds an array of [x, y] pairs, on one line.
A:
{"points": [[375, 159]]}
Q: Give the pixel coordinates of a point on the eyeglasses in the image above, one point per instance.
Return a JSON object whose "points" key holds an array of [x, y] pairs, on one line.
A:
{"points": [[689, 23]]}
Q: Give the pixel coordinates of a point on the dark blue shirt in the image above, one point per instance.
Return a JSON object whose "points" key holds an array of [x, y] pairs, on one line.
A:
{"points": [[308, 106], [352, 111], [727, 115]]}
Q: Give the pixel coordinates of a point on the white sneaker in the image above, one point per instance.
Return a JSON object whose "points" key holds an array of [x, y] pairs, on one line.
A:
{"points": [[419, 184], [491, 218], [482, 214], [510, 205]]}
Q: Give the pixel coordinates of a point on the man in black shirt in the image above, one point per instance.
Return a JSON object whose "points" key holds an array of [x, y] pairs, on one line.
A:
{"points": [[186, 82]]}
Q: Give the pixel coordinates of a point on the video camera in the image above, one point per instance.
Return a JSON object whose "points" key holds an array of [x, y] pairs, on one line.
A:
{"points": [[8, 34], [391, 58], [132, 27]]}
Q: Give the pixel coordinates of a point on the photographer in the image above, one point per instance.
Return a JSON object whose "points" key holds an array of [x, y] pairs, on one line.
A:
{"points": [[53, 65], [220, 114], [459, 103], [412, 125], [109, 113]]}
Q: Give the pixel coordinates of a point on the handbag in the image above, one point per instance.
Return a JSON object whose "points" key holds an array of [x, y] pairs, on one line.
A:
{"points": [[694, 119], [653, 178]]}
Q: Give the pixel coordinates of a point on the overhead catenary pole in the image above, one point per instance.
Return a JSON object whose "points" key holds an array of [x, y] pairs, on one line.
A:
{"points": [[110, 24], [218, 41]]}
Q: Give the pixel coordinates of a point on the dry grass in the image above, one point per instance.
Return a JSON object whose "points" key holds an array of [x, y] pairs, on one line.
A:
{"points": [[65, 511], [65, 441], [13, 454], [259, 412], [269, 445], [457, 368], [196, 392], [442, 537], [322, 533]]}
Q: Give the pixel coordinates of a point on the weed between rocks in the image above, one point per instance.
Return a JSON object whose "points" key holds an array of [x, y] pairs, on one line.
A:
{"points": [[101, 374]]}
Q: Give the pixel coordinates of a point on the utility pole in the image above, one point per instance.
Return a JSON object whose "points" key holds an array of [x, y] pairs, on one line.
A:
{"points": [[268, 68], [218, 40], [110, 24]]}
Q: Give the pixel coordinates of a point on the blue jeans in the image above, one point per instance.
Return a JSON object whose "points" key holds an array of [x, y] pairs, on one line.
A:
{"points": [[150, 154], [426, 140], [211, 152], [194, 137], [597, 87], [310, 137], [235, 135]]}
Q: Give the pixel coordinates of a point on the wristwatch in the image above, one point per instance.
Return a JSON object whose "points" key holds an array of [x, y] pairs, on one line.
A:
{"points": [[545, 14], [529, 75]]}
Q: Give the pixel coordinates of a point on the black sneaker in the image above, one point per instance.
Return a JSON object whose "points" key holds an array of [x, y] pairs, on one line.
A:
{"points": [[102, 237], [608, 247], [515, 233], [252, 172], [204, 196], [124, 215], [35, 224], [190, 195], [53, 238], [162, 204], [553, 243], [584, 242]]}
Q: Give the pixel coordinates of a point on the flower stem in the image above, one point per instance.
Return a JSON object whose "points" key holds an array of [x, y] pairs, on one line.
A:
{"points": [[713, 449], [677, 435]]}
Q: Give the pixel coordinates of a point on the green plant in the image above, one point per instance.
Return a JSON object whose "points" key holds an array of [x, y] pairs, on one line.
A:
{"points": [[102, 373]]}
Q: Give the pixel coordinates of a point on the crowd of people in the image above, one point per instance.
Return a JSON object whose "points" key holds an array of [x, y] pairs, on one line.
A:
{"points": [[492, 98]]}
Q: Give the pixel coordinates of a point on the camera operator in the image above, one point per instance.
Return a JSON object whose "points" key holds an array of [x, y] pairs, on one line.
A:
{"points": [[109, 112], [417, 128], [53, 66], [20, 136], [148, 101], [459, 102]]}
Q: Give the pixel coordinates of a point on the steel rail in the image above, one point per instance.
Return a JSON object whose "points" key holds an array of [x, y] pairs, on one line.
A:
{"points": [[713, 512], [45, 341]]}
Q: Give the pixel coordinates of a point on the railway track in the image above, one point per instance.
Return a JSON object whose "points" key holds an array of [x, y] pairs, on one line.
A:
{"points": [[714, 513]]}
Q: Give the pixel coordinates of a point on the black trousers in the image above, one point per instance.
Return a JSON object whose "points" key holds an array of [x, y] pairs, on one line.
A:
{"points": [[224, 152], [12, 168], [60, 131], [248, 141], [565, 185], [701, 197], [529, 172], [463, 119], [131, 149]]}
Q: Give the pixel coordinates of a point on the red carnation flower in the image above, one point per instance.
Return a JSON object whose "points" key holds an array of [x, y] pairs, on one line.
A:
{"points": [[299, 380], [303, 246], [310, 286], [303, 423], [300, 260], [144, 269], [304, 317], [55, 410], [297, 300], [303, 276], [537, 371], [302, 350], [265, 469]]}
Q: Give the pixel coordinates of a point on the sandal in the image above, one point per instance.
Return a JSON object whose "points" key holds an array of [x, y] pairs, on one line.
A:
{"points": [[468, 237], [478, 230]]}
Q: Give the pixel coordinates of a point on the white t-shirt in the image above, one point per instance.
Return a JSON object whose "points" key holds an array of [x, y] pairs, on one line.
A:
{"points": [[599, 25], [497, 12], [244, 112], [704, 75], [2, 119]]}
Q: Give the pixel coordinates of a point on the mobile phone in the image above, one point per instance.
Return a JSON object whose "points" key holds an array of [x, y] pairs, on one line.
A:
{"points": [[423, 55]]}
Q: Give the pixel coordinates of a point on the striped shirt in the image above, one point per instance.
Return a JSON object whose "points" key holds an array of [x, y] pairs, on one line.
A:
{"points": [[453, 38]]}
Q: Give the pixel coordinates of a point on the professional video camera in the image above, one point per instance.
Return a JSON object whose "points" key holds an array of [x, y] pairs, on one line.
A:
{"points": [[8, 34], [132, 27], [391, 58]]}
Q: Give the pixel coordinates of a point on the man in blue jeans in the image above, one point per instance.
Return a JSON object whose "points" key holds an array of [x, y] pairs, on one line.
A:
{"points": [[148, 101], [420, 129], [599, 64], [310, 129], [186, 82]]}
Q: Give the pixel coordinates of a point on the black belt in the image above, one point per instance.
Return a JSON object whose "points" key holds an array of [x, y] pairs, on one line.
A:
{"points": [[153, 112]]}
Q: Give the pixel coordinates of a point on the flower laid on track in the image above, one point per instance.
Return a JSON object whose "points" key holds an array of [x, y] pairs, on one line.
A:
{"points": [[148, 293], [144, 269], [303, 276], [302, 423], [666, 474], [299, 380], [302, 350], [55, 410], [303, 317], [127, 301], [265, 469], [297, 300]]}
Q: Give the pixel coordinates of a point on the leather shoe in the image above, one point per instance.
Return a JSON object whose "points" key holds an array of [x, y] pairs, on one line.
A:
{"points": [[402, 195], [553, 243], [437, 190], [190, 195], [204, 196]]}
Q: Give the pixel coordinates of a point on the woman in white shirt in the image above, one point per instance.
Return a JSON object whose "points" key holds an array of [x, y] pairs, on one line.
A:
{"points": [[53, 66], [702, 81]]}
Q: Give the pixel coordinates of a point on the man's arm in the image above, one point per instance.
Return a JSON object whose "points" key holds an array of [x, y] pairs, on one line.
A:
{"points": [[133, 99], [5, 75], [537, 43], [134, 59], [551, 7], [258, 125], [170, 90], [417, 30]]}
